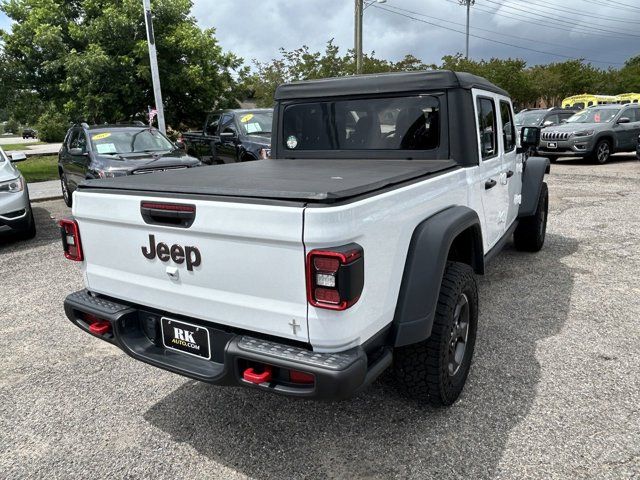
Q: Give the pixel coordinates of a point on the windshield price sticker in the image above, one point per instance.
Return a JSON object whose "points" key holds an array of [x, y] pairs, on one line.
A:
{"points": [[106, 148], [246, 118], [101, 136]]}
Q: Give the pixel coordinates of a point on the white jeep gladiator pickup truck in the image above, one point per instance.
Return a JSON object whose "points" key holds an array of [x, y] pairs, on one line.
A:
{"points": [[352, 251]]}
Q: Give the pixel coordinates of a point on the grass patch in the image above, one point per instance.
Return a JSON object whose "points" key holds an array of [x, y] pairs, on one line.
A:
{"points": [[39, 168], [19, 146]]}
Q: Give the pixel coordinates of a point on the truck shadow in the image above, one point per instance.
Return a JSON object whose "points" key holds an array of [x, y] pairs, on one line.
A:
{"points": [[525, 298]]}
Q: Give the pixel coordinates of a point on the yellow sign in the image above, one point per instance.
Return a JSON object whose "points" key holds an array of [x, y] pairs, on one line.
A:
{"points": [[246, 118], [101, 136]]}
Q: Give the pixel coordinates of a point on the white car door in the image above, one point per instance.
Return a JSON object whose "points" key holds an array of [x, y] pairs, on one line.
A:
{"points": [[489, 183], [511, 161]]}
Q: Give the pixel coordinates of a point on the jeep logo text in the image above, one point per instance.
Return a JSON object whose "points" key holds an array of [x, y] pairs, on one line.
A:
{"points": [[189, 255]]}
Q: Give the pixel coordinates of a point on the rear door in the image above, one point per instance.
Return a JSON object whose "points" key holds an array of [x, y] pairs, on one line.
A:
{"points": [[237, 264], [511, 161], [490, 180]]}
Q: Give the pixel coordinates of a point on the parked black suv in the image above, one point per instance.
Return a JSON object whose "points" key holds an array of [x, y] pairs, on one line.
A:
{"points": [[542, 117], [29, 133], [594, 133], [230, 136], [107, 151]]}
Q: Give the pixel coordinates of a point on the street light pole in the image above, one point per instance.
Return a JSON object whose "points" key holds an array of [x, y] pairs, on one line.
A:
{"points": [[153, 58], [468, 3], [358, 35]]}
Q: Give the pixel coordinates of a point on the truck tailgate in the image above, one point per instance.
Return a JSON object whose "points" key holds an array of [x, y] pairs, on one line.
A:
{"points": [[251, 273]]}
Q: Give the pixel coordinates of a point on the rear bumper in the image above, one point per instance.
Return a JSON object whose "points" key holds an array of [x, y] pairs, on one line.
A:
{"points": [[136, 331]]}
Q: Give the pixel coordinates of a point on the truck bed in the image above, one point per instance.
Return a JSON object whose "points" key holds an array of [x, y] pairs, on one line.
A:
{"points": [[314, 181]]}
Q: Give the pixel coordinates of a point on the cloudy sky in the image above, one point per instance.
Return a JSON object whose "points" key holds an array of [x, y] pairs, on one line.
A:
{"points": [[604, 31]]}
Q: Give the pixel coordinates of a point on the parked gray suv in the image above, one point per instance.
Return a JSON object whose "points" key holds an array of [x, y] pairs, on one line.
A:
{"points": [[16, 216], [594, 133]]}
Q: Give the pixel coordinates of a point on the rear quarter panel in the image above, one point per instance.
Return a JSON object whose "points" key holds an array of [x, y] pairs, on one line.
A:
{"points": [[383, 225]]}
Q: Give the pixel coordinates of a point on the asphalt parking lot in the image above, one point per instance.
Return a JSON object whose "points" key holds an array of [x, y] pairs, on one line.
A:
{"points": [[554, 391]]}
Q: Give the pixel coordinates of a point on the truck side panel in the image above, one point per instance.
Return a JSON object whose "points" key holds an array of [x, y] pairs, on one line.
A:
{"points": [[383, 226]]}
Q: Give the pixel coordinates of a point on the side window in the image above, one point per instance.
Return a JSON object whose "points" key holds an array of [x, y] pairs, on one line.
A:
{"points": [[212, 126], [508, 127], [487, 128], [554, 119], [634, 115], [227, 124], [72, 139], [82, 141]]}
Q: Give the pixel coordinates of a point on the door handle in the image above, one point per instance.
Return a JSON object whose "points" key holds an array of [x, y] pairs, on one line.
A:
{"points": [[510, 174], [489, 184]]}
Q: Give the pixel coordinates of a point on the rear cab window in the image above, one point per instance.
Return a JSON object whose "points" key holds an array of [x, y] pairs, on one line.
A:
{"points": [[408, 124]]}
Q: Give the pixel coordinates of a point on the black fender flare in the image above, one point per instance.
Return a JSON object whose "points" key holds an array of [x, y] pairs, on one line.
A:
{"points": [[424, 268], [532, 178]]}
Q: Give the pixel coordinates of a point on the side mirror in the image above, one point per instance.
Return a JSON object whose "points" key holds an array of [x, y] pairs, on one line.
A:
{"points": [[77, 152], [529, 138], [181, 145], [547, 123], [624, 120], [17, 157], [563, 121]]}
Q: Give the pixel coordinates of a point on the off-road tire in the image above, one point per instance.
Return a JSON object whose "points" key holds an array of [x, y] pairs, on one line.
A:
{"points": [[67, 196], [531, 231], [422, 370]]}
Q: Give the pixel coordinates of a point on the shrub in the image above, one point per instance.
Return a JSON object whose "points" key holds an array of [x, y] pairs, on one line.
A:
{"points": [[12, 126], [52, 126]]}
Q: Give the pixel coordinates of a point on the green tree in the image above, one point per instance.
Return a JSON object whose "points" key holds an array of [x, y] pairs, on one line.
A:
{"points": [[89, 59], [12, 126]]}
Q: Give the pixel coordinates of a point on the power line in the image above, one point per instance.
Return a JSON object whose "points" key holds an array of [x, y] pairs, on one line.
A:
{"points": [[490, 39], [589, 25], [583, 27], [554, 8], [484, 29], [549, 25], [616, 3]]}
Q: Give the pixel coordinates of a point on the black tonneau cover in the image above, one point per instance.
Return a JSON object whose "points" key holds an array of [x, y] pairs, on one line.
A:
{"points": [[321, 181]]}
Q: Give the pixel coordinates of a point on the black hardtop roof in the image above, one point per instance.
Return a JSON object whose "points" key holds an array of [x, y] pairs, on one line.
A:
{"points": [[243, 110], [384, 83]]}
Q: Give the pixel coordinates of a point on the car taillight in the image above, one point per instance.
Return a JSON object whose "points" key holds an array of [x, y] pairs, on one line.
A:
{"points": [[71, 239], [335, 276]]}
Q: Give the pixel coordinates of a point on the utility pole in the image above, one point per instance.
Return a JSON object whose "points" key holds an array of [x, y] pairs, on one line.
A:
{"points": [[468, 3], [153, 58], [358, 35]]}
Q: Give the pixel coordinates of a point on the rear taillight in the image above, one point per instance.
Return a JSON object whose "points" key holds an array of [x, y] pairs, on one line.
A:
{"points": [[335, 276], [71, 239]]}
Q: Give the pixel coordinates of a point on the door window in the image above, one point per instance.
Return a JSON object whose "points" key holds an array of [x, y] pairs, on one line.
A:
{"points": [[508, 127], [212, 126], [227, 124], [487, 128], [72, 139], [554, 119]]}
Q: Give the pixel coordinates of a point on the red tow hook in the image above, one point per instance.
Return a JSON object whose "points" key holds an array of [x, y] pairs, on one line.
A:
{"points": [[250, 375], [100, 327]]}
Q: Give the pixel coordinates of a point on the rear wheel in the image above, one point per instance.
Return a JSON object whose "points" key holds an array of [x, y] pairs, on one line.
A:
{"points": [[531, 231], [66, 194], [436, 369]]}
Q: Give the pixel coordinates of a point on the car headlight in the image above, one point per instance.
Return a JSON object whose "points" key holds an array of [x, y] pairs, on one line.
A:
{"points": [[111, 174], [584, 133], [13, 186]]}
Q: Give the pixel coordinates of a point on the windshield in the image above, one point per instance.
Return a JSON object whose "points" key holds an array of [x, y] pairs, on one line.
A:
{"points": [[399, 123], [256, 123], [126, 141], [594, 115], [529, 119]]}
